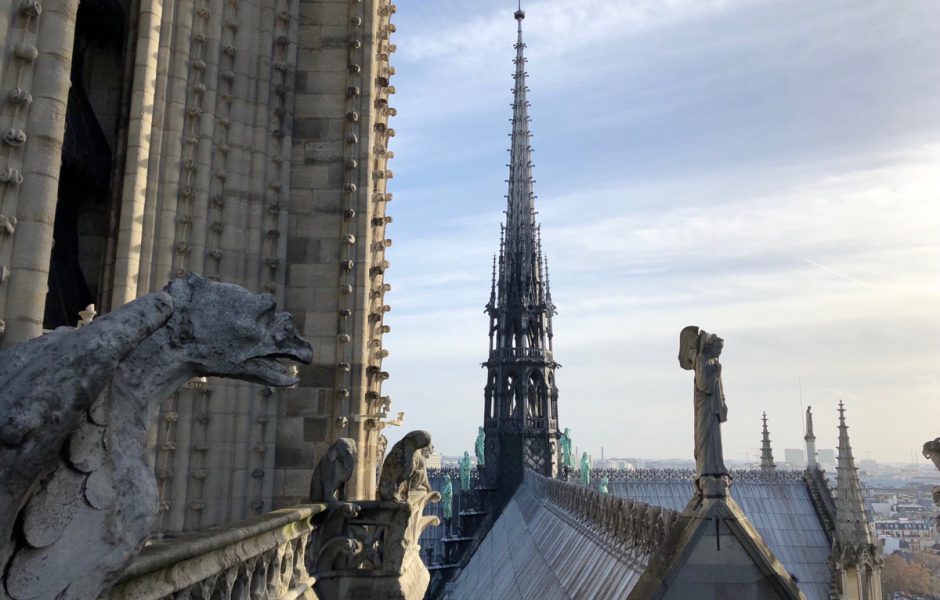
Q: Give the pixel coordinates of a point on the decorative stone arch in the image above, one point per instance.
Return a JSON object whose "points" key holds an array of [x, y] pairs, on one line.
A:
{"points": [[536, 394]]}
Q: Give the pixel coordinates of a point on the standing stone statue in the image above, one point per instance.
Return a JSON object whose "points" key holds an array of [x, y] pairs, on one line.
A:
{"points": [[699, 351], [585, 469], [481, 440], [602, 486], [404, 466], [447, 494], [465, 472], [566, 449]]}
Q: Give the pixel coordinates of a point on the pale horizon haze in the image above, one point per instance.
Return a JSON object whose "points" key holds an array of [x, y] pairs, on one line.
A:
{"points": [[766, 170]]}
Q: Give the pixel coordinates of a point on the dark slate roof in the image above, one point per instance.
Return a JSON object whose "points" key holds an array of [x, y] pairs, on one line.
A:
{"points": [[527, 555], [782, 512]]}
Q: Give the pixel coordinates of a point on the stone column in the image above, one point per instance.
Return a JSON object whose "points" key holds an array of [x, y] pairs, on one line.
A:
{"points": [[42, 158], [140, 131]]}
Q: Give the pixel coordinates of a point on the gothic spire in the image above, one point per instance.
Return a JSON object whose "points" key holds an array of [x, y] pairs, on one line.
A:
{"points": [[520, 415], [523, 310], [520, 212], [851, 523], [766, 452]]}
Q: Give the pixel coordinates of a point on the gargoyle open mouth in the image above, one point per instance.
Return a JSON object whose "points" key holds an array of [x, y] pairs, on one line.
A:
{"points": [[268, 369]]}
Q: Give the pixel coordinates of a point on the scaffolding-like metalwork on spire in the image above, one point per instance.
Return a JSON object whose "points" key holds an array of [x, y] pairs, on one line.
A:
{"points": [[766, 452]]}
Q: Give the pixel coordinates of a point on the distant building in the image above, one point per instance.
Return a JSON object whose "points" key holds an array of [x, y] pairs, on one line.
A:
{"points": [[435, 461], [919, 534], [826, 457], [795, 457]]}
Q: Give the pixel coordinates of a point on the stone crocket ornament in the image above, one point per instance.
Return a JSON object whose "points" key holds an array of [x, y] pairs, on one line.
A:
{"points": [[699, 351]]}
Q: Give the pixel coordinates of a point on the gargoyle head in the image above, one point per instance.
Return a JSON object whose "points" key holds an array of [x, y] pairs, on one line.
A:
{"points": [[932, 451], [227, 331]]}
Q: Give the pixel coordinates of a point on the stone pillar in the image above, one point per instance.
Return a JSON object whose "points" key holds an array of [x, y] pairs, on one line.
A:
{"points": [[337, 239], [47, 57], [139, 133]]}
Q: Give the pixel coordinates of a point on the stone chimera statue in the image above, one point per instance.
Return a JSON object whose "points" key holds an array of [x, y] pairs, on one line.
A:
{"points": [[403, 463], [90, 497], [328, 483]]}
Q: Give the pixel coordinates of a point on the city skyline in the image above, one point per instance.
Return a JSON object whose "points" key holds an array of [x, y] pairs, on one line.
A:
{"points": [[763, 170]]}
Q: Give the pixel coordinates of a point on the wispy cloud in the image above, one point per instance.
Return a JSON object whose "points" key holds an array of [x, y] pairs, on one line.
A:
{"points": [[766, 170]]}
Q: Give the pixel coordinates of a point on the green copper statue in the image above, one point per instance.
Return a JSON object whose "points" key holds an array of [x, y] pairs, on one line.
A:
{"points": [[465, 472], [602, 486], [585, 469], [447, 495], [566, 449], [481, 438]]}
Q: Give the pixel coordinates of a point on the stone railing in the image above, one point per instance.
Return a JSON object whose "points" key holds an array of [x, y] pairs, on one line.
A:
{"points": [[260, 559], [637, 525], [534, 353], [371, 549]]}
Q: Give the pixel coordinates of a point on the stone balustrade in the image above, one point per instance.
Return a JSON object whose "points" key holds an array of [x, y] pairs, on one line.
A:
{"points": [[260, 559], [632, 524]]}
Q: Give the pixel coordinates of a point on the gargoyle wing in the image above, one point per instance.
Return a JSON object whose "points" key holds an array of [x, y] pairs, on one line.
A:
{"points": [[47, 386]]}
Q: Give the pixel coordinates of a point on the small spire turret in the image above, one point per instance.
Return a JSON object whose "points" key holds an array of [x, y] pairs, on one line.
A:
{"points": [[857, 559], [766, 452], [851, 523]]}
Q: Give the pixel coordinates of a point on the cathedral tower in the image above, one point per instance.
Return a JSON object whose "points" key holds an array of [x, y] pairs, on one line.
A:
{"points": [[521, 407]]}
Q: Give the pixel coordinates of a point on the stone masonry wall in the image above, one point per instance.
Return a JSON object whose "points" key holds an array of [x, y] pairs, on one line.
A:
{"points": [[254, 152], [336, 250]]}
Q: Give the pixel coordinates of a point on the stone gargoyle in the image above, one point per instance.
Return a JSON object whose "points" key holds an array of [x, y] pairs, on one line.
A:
{"points": [[403, 465], [328, 483], [78, 497]]}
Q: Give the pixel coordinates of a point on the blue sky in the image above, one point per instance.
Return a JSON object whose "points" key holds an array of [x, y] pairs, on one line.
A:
{"points": [[767, 170]]}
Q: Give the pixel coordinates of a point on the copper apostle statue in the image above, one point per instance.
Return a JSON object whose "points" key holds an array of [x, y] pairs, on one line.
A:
{"points": [[699, 351]]}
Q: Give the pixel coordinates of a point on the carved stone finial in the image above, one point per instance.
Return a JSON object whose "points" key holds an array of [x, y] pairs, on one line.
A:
{"points": [[401, 466], [328, 484]]}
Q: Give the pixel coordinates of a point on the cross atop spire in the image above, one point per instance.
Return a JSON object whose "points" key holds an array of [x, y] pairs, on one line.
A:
{"points": [[766, 452]]}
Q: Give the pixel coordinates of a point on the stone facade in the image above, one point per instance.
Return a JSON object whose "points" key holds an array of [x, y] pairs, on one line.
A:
{"points": [[242, 139]]}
